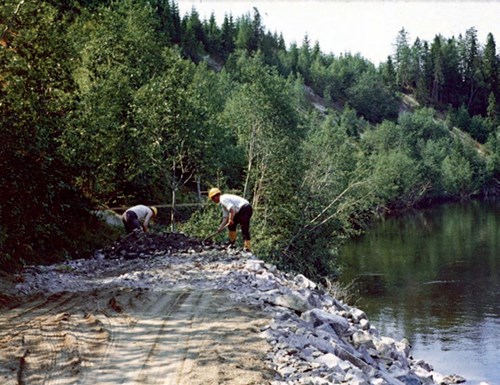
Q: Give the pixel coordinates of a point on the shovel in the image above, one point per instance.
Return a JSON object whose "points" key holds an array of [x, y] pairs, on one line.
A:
{"points": [[214, 234]]}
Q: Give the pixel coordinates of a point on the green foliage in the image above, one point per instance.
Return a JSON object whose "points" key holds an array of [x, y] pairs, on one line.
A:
{"points": [[480, 128], [417, 159], [116, 102], [204, 223], [43, 216], [433, 155], [395, 177], [168, 115], [365, 96], [403, 59], [334, 187], [448, 72], [493, 161], [260, 112], [250, 32], [168, 20], [459, 118], [193, 38], [420, 127], [117, 55], [457, 174]]}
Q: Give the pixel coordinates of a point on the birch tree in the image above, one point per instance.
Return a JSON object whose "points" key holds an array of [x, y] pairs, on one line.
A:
{"points": [[261, 113]]}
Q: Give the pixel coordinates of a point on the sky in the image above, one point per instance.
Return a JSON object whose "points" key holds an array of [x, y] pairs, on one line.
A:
{"points": [[369, 28]]}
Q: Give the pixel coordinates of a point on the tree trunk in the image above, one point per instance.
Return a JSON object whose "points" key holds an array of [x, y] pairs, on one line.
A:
{"points": [[172, 212], [174, 188], [198, 191]]}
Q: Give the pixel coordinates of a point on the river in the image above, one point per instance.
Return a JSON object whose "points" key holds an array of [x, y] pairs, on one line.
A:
{"points": [[433, 277]]}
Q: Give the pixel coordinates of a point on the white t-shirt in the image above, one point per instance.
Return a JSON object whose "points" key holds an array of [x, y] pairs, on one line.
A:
{"points": [[144, 213], [229, 201]]}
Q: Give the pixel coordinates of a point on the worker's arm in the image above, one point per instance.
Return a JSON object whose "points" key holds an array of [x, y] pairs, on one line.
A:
{"points": [[232, 213], [145, 225], [223, 224], [228, 217]]}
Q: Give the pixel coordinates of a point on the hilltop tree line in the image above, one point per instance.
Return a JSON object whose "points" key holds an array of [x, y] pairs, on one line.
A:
{"points": [[113, 103], [458, 75]]}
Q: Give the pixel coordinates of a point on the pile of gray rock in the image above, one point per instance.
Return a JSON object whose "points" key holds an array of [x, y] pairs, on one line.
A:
{"points": [[319, 340]]}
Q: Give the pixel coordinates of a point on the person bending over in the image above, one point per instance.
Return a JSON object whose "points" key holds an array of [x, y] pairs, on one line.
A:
{"points": [[138, 217], [235, 210]]}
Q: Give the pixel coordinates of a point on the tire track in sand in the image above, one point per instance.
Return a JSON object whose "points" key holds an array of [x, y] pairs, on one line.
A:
{"points": [[41, 340], [132, 336]]}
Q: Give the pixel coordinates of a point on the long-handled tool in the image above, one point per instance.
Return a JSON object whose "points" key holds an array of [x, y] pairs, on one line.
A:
{"points": [[216, 233]]}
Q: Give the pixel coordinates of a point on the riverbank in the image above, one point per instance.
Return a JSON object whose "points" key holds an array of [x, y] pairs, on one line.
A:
{"points": [[431, 276], [167, 309]]}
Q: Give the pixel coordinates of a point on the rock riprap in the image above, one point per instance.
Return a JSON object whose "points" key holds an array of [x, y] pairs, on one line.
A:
{"points": [[314, 338]]}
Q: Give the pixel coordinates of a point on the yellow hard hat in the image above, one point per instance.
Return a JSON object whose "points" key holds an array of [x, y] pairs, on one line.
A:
{"points": [[155, 210], [213, 192]]}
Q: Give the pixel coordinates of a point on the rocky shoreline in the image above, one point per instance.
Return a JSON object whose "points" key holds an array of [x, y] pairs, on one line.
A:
{"points": [[314, 338]]}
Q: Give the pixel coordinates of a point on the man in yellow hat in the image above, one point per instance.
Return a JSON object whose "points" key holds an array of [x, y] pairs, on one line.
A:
{"points": [[138, 217], [235, 210]]}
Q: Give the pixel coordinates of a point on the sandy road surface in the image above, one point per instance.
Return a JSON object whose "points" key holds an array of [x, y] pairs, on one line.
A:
{"points": [[131, 336], [112, 335]]}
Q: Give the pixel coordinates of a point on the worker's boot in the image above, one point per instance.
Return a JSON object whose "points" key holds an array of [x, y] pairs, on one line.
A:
{"points": [[246, 245], [232, 238]]}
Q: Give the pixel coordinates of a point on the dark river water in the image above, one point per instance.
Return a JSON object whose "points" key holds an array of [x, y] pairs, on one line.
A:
{"points": [[433, 277]]}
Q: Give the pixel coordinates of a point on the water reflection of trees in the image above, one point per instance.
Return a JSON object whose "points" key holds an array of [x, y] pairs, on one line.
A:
{"points": [[432, 273]]}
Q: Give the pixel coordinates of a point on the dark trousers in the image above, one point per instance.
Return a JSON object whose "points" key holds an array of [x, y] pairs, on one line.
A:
{"points": [[131, 222], [243, 219]]}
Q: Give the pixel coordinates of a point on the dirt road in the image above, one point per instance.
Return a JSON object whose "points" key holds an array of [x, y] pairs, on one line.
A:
{"points": [[112, 334], [163, 309]]}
